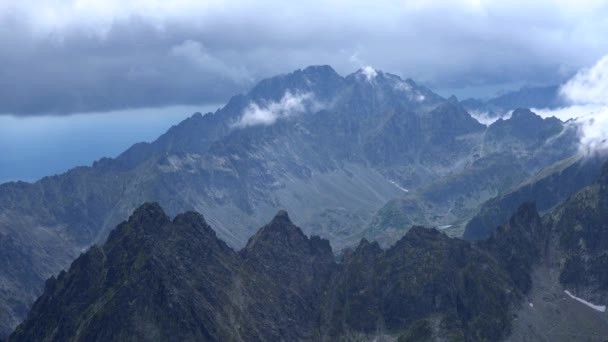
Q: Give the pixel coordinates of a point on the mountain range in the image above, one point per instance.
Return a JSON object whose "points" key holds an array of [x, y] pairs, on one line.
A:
{"points": [[541, 97], [367, 155], [158, 278], [162, 279]]}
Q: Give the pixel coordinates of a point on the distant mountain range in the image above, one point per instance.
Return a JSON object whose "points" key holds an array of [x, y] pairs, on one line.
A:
{"points": [[547, 189], [526, 97], [366, 155], [162, 279]]}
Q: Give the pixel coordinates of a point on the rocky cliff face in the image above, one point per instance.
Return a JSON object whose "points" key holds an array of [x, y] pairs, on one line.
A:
{"points": [[162, 279], [580, 227], [510, 168], [455, 290], [547, 189], [568, 293], [519, 244], [154, 279]]}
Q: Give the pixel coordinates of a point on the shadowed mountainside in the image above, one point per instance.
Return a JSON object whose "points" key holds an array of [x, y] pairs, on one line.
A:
{"points": [[162, 279], [157, 278]]}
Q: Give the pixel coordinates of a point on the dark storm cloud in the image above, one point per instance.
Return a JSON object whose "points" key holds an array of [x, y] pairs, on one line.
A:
{"points": [[64, 56], [134, 65]]}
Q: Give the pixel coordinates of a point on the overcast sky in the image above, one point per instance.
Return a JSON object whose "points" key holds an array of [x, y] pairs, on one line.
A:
{"points": [[66, 56], [128, 69]]}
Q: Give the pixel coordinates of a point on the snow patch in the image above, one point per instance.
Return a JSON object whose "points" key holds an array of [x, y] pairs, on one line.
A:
{"points": [[531, 305], [446, 226], [600, 308], [398, 186]]}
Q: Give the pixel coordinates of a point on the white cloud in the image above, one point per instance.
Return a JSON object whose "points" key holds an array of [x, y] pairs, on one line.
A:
{"points": [[594, 132], [589, 86], [590, 120], [369, 73], [364, 69], [289, 105], [587, 92]]}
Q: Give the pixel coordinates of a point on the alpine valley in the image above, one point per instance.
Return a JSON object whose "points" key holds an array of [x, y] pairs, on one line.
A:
{"points": [[362, 163]]}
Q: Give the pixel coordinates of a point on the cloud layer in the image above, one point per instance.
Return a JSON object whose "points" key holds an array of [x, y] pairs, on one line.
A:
{"points": [[589, 86], [63, 56]]}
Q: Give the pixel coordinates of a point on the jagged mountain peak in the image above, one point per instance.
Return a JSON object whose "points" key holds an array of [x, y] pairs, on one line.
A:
{"points": [[366, 73], [525, 224], [366, 247], [282, 215], [418, 236], [148, 210], [146, 220], [190, 217], [322, 80], [319, 70], [280, 233], [519, 244], [377, 79], [420, 231], [455, 289], [521, 113], [527, 127], [149, 230], [281, 223], [525, 116]]}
